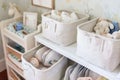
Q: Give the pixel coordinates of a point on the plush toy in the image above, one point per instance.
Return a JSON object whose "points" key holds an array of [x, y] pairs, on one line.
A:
{"points": [[103, 27]]}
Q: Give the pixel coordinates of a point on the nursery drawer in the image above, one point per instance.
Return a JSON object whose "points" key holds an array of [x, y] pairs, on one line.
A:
{"points": [[15, 67], [14, 51], [13, 75]]}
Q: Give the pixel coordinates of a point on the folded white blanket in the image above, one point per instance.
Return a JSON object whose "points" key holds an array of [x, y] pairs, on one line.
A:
{"points": [[40, 52], [44, 58], [51, 58]]}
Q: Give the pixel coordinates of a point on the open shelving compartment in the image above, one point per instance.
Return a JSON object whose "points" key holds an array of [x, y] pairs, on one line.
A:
{"points": [[70, 52], [14, 75], [27, 42]]}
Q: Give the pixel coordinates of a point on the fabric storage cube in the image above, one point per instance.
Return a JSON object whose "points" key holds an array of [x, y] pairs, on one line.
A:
{"points": [[96, 49], [60, 32], [55, 72]]}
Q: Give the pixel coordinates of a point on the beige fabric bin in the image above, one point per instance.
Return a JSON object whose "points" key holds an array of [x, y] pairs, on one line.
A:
{"points": [[55, 72], [96, 49], [59, 32]]}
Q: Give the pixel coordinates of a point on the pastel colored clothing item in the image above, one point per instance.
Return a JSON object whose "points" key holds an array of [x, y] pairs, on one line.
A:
{"points": [[19, 29], [116, 27], [47, 57], [51, 58], [19, 26], [40, 52], [75, 71]]}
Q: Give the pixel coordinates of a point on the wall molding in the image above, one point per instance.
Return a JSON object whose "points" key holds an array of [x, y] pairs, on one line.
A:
{"points": [[2, 65]]}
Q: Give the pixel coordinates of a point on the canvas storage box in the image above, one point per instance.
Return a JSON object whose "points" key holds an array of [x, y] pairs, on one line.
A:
{"points": [[60, 32], [96, 49], [55, 72]]}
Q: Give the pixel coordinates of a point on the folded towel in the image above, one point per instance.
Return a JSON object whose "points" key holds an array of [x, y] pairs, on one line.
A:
{"points": [[40, 52], [51, 58]]}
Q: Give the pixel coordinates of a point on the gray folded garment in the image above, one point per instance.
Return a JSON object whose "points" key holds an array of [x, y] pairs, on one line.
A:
{"points": [[75, 71], [51, 58], [44, 55], [47, 56], [69, 71]]}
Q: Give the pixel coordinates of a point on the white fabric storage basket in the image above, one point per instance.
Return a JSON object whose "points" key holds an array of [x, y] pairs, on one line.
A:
{"points": [[55, 72], [96, 49], [59, 32]]}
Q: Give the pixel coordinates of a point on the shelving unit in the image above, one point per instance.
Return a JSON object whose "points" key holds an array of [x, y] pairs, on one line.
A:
{"points": [[10, 38], [70, 52]]}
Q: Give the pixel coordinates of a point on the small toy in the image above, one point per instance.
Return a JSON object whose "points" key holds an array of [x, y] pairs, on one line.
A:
{"points": [[103, 26]]}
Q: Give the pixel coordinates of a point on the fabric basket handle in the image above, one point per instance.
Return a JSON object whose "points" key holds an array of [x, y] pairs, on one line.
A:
{"points": [[50, 25]]}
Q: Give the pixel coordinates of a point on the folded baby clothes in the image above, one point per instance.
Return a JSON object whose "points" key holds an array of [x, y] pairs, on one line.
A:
{"points": [[69, 71], [75, 71], [51, 58], [19, 29], [11, 27], [93, 75], [46, 57], [40, 52]]}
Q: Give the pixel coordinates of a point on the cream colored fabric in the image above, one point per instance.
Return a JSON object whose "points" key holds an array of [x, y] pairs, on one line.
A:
{"points": [[75, 71], [54, 72], [96, 49], [40, 52], [52, 58], [61, 33]]}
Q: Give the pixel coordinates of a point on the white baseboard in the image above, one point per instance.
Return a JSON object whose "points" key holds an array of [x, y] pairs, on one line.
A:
{"points": [[2, 65]]}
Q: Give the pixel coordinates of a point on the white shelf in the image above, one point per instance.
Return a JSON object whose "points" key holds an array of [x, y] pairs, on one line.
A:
{"points": [[70, 52]]}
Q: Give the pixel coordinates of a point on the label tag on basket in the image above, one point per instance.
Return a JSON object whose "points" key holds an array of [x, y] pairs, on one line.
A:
{"points": [[51, 26]]}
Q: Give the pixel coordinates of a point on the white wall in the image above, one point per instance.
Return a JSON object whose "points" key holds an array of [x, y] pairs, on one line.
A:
{"points": [[104, 8]]}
